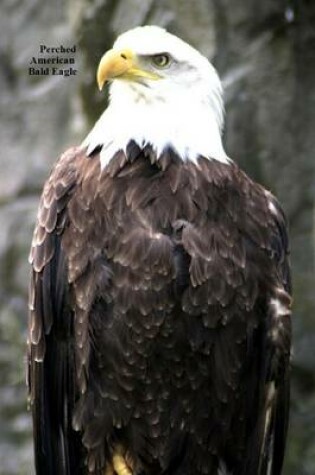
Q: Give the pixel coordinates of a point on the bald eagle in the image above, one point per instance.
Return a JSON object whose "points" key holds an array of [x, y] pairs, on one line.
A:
{"points": [[159, 330]]}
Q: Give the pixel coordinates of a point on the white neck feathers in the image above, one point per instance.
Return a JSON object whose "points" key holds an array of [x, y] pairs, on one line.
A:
{"points": [[192, 128]]}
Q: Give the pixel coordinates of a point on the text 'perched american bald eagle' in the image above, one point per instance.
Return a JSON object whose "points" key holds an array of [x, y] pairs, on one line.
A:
{"points": [[159, 334]]}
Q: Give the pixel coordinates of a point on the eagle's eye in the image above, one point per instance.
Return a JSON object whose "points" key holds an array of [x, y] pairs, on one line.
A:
{"points": [[162, 60]]}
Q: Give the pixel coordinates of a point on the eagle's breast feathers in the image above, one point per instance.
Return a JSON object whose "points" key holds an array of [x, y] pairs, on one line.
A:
{"points": [[176, 281]]}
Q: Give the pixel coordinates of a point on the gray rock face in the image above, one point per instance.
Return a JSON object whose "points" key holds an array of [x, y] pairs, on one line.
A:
{"points": [[264, 52]]}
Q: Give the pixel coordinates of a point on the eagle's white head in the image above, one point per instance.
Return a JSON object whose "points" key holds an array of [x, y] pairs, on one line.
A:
{"points": [[162, 92]]}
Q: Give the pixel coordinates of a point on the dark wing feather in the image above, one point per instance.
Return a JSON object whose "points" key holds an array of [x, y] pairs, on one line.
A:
{"points": [[52, 386], [266, 368], [267, 457], [280, 365]]}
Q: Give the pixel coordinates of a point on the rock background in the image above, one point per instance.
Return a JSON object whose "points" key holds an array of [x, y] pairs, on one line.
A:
{"points": [[265, 54]]}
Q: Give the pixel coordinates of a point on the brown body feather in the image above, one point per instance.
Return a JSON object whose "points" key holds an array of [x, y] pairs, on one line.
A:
{"points": [[152, 321]]}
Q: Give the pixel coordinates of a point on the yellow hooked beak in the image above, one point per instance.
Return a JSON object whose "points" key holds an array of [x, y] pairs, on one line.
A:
{"points": [[121, 64]]}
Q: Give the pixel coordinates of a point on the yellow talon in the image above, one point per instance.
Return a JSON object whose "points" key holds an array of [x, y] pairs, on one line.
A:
{"points": [[121, 463]]}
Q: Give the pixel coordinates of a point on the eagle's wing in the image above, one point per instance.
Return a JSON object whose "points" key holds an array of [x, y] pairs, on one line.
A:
{"points": [[277, 404], [51, 365], [271, 351]]}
